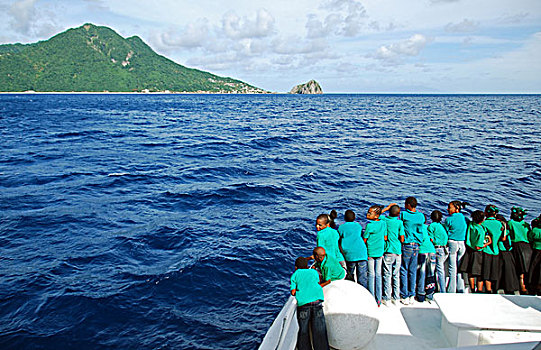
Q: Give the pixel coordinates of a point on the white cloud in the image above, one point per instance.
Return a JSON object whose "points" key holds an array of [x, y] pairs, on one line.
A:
{"points": [[340, 17], [191, 36], [394, 53], [236, 27], [466, 26], [28, 20]]}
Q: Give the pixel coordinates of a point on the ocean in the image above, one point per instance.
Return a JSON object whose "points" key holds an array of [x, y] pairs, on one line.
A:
{"points": [[173, 221]]}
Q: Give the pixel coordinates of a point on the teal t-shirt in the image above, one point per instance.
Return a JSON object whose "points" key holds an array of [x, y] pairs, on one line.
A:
{"points": [[476, 235], [375, 232], [352, 242], [328, 239], [306, 282], [535, 237], [518, 231], [413, 226], [427, 246], [395, 229], [456, 226], [331, 269], [437, 233], [494, 228]]}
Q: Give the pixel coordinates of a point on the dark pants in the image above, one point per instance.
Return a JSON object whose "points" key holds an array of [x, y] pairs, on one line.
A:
{"points": [[311, 315]]}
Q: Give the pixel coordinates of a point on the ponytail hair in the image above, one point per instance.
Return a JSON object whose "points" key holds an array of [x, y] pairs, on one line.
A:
{"points": [[517, 213], [377, 209], [459, 205], [536, 222]]}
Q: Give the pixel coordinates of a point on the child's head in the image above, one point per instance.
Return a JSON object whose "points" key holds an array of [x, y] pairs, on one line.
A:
{"points": [[394, 211], [517, 213], [456, 207], [478, 216], [374, 212], [349, 216], [319, 254], [301, 263], [436, 216], [491, 211], [410, 203], [536, 223], [322, 221]]}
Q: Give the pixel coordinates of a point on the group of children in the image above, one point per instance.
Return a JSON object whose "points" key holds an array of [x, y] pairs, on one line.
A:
{"points": [[399, 258]]}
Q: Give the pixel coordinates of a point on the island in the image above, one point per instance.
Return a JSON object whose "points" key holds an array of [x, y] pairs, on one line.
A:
{"points": [[311, 87], [93, 58]]}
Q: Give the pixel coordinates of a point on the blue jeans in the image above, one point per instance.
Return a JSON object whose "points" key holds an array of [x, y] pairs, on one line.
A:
{"points": [[311, 316], [408, 270], [425, 268], [456, 252], [360, 268], [391, 276], [441, 256], [374, 277]]}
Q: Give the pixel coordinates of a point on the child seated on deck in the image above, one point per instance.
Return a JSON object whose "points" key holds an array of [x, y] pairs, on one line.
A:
{"points": [[309, 295]]}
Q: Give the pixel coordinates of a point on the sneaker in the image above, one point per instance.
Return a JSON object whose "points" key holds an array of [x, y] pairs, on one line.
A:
{"points": [[394, 301], [410, 300], [404, 301], [384, 302]]}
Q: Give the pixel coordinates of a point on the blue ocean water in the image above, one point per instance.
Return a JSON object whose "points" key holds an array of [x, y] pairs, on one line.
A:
{"points": [[173, 221]]}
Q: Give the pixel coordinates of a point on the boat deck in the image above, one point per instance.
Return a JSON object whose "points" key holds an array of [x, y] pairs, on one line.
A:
{"points": [[415, 326]]}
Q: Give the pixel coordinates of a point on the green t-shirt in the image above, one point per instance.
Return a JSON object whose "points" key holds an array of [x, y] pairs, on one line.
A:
{"points": [[352, 241], [395, 228], [535, 237], [437, 233], [328, 239], [494, 228], [475, 236], [518, 231], [331, 269], [306, 282], [375, 232], [427, 246]]}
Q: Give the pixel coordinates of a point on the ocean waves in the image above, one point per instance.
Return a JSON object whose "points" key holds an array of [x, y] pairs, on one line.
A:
{"points": [[135, 221]]}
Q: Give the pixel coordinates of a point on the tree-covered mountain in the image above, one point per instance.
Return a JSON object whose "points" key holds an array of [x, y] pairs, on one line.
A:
{"points": [[93, 58]]}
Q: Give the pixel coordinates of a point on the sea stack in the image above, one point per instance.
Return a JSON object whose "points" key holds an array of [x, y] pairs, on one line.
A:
{"points": [[311, 87]]}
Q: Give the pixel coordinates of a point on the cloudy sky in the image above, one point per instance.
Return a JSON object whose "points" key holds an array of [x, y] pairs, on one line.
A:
{"points": [[363, 46]]}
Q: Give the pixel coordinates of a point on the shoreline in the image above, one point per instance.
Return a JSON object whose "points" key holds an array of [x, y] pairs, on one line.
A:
{"points": [[266, 93]]}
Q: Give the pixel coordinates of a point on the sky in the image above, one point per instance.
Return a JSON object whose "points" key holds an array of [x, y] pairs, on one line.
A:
{"points": [[348, 46]]}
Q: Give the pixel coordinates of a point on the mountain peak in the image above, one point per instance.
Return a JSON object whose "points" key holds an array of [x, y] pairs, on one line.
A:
{"points": [[96, 58]]}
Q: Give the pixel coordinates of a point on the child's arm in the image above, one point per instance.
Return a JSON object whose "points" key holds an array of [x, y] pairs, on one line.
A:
{"points": [[489, 241], [323, 284], [293, 292], [387, 207]]}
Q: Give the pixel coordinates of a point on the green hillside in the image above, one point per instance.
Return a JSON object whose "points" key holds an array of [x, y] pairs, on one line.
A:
{"points": [[92, 58]]}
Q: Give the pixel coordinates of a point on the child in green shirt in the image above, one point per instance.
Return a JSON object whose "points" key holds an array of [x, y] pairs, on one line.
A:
{"points": [[535, 267], [476, 240], [518, 231], [374, 237], [438, 237]]}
